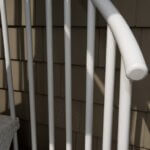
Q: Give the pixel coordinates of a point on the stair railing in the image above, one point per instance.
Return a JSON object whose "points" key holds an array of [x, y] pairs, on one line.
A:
{"points": [[133, 67]]}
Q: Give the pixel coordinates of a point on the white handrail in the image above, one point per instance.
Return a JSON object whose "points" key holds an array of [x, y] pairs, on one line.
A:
{"points": [[135, 66]]}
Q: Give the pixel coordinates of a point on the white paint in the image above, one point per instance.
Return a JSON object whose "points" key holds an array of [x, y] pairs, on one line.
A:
{"points": [[89, 76], [8, 66], [49, 34], [68, 79], [109, 90], [124, 110], [30, 75], [135, 66]]}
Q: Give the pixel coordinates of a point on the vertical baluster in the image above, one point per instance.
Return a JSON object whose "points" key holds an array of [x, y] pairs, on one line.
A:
{"points": [[124, 110], [30, 75], [109, 90], [67, 37], [8, 66], [89, 75], [49, 32]]}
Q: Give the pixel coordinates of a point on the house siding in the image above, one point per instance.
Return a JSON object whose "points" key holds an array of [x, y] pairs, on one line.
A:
{"points": [[136, 12]]}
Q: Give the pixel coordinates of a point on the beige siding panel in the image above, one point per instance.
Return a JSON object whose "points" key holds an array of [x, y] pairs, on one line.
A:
{"points": [[19, 74], [80, 141], [79, 38], [3, 81], [138, 129], [128, 9], [77, 115], [135, 12], [39, 12], [21, 104], [58, 50], [58, 7], [102, 50], [20, 81], [1, 46], [98, 120], [142, 13], [147, 132], [99, 85], [115, 126], [16, 12], [141, 95], [142, 36], [39, 44], [3, 101], [18, 47], [79, 84], [145, 35], [79, 13], [60, 139], [41, 82], [16, 38], [133, 124], [78, 46]]}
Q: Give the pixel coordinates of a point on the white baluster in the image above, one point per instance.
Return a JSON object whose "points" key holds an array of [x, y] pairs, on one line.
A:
{"points": [[30, 75], [49, 33], [89, 75]]}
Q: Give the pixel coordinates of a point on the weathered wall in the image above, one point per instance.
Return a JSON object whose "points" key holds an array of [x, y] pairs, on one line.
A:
{"points": [[136, 13]]}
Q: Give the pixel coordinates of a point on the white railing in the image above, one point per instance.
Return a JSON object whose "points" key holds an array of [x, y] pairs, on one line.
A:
{"points": [[8, 65], [133, 67], [30, 74], [49, 31]]}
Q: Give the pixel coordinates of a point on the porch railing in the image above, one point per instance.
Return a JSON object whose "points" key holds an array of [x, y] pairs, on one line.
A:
{"points": [[133, 67]]}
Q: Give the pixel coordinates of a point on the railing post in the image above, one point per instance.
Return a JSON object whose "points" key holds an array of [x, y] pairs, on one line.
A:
{"points": [[135, 66], [124, 110], [109, 90], [30, 75], [49, 34], [8, 66], [89, 75], [68, 92]]}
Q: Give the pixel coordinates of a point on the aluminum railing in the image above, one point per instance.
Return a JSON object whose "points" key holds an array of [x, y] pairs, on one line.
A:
{"points": [[8, 65], [133, 67]]}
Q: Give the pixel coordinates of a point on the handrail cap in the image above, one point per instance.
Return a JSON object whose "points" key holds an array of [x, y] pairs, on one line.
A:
{"points": [[137, 72]]}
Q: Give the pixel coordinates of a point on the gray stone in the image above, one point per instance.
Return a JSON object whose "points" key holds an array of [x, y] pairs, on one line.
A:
{"points": [[8, 127]]}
